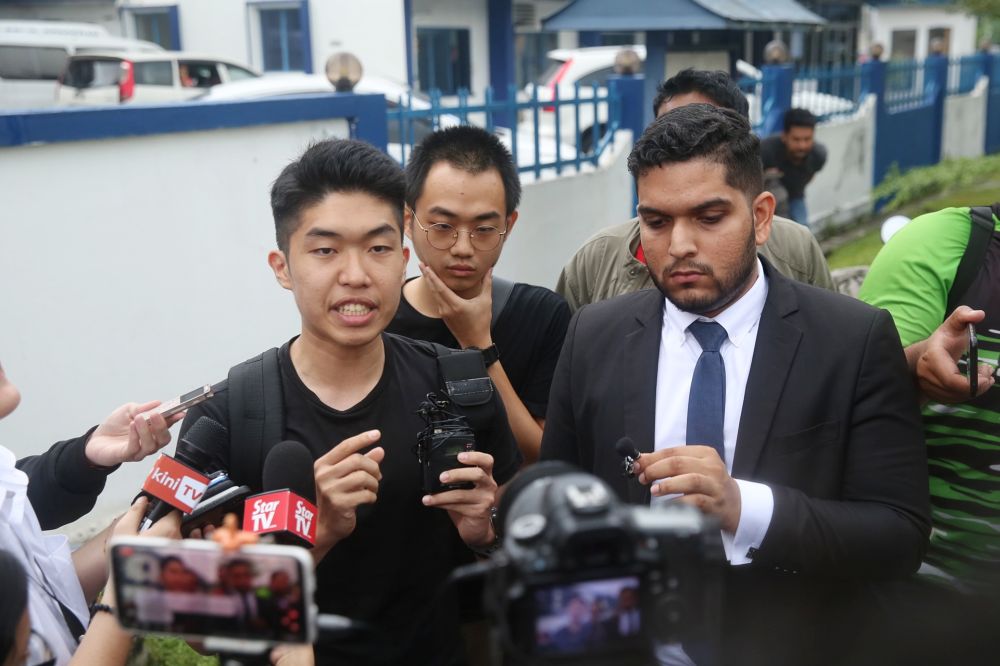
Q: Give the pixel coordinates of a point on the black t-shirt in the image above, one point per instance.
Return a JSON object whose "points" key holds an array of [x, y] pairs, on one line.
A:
{"points": [[795, 176], [391, 570], [529, 334]]}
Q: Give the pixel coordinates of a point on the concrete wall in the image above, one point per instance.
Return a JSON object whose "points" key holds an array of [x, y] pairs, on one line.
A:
{"points": [[878, 24], [558, 214], [843, 188], [135, 269], [965, 123]]}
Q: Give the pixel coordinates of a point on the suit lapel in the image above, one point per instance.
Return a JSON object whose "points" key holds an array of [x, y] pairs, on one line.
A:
{"points": [[642, 351], [777, 342]]}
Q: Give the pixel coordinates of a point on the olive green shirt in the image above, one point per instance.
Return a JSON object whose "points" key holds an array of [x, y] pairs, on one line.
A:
{"points": [[606, 265]]}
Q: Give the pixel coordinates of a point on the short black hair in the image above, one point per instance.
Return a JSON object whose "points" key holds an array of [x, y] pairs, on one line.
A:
{"points": [[470, 149], [13, 601], [702, 131], [335, 165], [715, 85], [799, 118]]}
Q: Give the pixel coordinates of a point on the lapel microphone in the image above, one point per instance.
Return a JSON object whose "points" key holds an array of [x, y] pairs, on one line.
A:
{"points": [[626, 449]]}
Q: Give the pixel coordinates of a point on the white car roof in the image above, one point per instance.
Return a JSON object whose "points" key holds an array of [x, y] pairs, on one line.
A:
{"points": [[596, 53], [145, 56], [301, 84]]}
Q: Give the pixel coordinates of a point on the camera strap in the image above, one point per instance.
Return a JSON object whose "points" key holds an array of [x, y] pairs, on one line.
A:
{"points": [[467, 384]]}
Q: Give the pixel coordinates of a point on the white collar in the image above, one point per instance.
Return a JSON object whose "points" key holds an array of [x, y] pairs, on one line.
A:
{"points": [[739, 318], [13, 488]]}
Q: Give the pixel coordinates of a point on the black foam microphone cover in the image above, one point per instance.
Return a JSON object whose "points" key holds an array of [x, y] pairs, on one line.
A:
{"points": [[290, 465], [197, 448], [626, 448]]}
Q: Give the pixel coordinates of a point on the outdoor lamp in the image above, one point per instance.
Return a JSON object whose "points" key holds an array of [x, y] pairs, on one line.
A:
{"points": [[627, 62], [344, 70]]}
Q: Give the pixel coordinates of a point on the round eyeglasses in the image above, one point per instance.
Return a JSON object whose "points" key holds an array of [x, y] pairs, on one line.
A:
{"points": [[441, 236]]}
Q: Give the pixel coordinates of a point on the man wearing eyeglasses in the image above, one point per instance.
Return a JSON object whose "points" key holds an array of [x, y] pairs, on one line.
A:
{"points": [[462, 193]]}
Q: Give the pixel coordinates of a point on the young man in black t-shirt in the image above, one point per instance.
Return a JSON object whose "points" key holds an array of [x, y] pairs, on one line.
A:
{"points": [[796, 157], [462, 193], [350, 391]]}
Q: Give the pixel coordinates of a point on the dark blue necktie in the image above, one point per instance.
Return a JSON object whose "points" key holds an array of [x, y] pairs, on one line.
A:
{"points": [[707, 401]]}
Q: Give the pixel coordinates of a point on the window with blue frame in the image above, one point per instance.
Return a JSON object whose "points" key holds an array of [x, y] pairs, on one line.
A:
{"points": [[443, 59], [158, 25], [282, 40]]}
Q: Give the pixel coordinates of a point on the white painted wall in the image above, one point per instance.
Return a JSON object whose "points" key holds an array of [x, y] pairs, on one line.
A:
{"points": [[373, 30], [101, 13], [135, 269], [843, 188], [558, 214], [878, 23], [468, 14], [965, 123]]}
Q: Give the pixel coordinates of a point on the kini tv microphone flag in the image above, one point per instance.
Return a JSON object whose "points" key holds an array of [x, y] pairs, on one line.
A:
{"points": [[180, 482], [289, 511]]}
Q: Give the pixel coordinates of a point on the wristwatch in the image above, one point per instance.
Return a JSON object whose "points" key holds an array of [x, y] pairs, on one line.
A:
{"points": [[490, 548], [490, 355]]}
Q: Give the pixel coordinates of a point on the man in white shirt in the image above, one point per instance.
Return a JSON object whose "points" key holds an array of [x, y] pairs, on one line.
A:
{"points": [[784, 411]]}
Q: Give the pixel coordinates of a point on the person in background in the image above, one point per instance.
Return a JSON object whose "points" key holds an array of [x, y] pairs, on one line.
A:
{"points": [[795, 157]]}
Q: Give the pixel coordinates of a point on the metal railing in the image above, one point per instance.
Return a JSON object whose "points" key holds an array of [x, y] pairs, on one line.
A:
{"points": [[830, 92], [904, 85], [963, 74], [543, 132]]}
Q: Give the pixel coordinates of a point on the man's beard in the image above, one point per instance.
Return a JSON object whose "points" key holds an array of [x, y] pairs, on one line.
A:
{"points": [[727, 290]]}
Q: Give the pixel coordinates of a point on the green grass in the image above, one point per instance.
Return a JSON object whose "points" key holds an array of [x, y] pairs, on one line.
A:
{"points": [[161, 651], [862, 251]]}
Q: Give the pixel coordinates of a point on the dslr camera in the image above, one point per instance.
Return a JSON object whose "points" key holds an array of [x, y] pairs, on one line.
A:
{"points": [[583, 578], [447, 434]]}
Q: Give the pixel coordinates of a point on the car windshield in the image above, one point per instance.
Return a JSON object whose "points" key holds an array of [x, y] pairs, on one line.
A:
{"points": [[92, 73], [551, 68]]}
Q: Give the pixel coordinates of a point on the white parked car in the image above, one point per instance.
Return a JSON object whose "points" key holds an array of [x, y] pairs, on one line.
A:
{"points": [[590, 65], [104, 78], [289, 85], [33, 55]]}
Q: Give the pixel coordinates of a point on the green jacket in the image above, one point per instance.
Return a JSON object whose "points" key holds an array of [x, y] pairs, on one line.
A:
{"points": [[606, 265]]}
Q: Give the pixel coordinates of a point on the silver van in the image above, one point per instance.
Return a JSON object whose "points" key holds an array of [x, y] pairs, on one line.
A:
{"points": [[33, 54]]}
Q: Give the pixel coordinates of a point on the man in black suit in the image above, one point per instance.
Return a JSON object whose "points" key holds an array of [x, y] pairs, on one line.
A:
{"points": [[783, 410]]}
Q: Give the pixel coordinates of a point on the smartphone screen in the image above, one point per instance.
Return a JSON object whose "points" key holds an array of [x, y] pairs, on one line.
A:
{"points": [[195, 589]]}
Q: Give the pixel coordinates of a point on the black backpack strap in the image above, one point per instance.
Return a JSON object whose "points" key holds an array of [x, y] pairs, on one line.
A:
{"points": [[467, 384], [256, 415], [502, 288], [975, 254]]}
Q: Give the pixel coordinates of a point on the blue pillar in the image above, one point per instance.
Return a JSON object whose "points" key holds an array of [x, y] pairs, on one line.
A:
{"points": [[776, 97], [936, 88], [873, 83], [502, 72], [175, 27], [588, 38], [408, 39], [632, 90], [655, 70], [992, 103], [307, 49]]}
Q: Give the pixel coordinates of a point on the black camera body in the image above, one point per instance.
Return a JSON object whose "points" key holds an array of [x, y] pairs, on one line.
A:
{"points": [[589, 580], [447, 434]]}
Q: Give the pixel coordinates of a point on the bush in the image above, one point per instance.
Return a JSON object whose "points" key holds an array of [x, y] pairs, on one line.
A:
{"points": [[902, 189]]}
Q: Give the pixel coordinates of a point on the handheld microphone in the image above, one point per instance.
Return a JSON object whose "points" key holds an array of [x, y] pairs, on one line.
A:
{"points": [[177, 483], [289, 511], [223, 496], [626, 449]]}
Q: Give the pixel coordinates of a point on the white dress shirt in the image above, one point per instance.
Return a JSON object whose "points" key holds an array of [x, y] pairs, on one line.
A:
{"points": [[48, 563], [679, 352]]}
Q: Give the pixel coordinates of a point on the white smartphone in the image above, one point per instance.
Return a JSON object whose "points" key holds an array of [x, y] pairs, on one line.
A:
{"points": [[196, 590]]}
